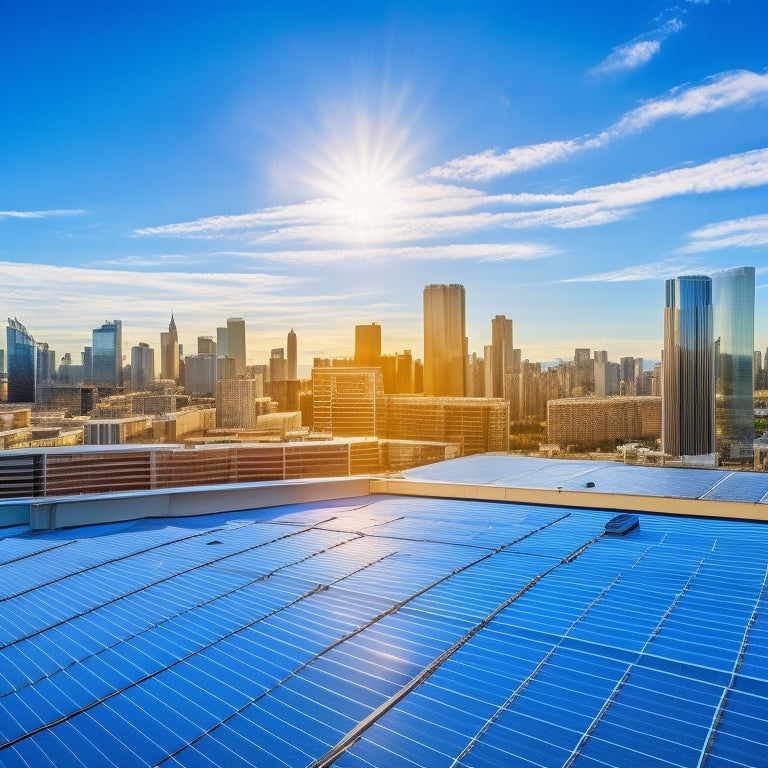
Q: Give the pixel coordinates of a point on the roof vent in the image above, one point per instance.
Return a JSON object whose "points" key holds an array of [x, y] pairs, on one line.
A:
{"points": [[590, 484], [622, 524]]}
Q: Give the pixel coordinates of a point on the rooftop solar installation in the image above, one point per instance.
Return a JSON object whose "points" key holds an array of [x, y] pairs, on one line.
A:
{"points": [[386, 631], [607, 477]]}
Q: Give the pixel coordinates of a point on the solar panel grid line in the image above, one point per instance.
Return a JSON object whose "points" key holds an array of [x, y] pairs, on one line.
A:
{"points": [[708, 742], [355, 632], [589, 731], [476, 738], [164, 579], [116, 692]]}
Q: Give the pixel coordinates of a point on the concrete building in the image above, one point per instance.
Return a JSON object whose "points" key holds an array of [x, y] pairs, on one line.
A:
{"points": [[475, 425], [236, 343], [502, 353], [200, 374], [348, 402], [142, 366], [292, 357], [367, 345], [688, 394], [236, 403], [277, 365], [206, 345], [445, 341], [589, 421], [132, 429]]}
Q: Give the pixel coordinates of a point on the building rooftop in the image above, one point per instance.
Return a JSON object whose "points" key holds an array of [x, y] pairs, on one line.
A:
{"points": [[386, 629]]}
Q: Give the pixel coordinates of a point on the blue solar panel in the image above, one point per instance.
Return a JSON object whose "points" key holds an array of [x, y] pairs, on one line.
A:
{"points": [[481, 633]]}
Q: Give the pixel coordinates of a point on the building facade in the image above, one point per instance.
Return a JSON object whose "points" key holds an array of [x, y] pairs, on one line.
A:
{"points": [[108, 354], [142, 366], [348, 402], [236, 343], [22, 362], [688, 395], [734, 317], [367, 344], [445, 341], [169, 352], [501, 353]]}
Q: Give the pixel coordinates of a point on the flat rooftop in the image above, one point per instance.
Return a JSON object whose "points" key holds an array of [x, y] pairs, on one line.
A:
{"points": [[386, 630]]}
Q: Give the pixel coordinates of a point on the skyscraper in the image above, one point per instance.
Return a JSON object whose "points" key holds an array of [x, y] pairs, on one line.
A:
{"points": [[169, 352], [444, 340], [501, 357], [142, 366], [108, 354], [688, 396], [236, 343], [367, 344], [22, 358], [292, 372], [733, 293]]}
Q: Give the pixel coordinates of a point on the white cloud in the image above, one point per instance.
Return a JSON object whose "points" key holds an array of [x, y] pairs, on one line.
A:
{"points": [[420, 214], [748, 232], [729, 89], [637, 52], [654, 271], [40, 214]]}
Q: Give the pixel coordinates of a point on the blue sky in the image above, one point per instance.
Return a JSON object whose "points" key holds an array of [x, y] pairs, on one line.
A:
{"points": [[314, 165]]}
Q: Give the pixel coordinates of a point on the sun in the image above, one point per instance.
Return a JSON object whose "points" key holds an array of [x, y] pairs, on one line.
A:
{"points": [[357, 166]]}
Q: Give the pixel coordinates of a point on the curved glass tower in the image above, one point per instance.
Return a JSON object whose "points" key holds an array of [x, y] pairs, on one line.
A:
{"points": [[734, 300], [688, 395]]}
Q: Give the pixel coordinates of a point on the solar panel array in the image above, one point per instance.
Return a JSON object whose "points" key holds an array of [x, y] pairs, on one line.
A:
{"points": [[607, 476], [385, 631]]}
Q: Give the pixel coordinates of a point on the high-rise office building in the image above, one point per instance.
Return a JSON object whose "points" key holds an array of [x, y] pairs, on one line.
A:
{"points": [[733, 295], [221, 342], [348, 402], [367, 344], [236, 342], [688, 395], [169, 352], [292, 360], [277, 365], [200, 374], [22, 360], [86, 357], [142, 366], [444, 340], [108, 354], [502, 355], [46, 363], [206, 345]]}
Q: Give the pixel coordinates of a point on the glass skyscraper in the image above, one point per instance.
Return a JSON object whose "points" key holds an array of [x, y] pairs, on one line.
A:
{"points": [[734, 317], [108, 354], [688, 395], [22, 359]]}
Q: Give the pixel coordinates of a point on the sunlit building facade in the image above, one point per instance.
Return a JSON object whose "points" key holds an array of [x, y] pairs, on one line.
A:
{"points": [[501, 353], [688, 397], [445, 343], [142, 366], [169, 352], [734, 318], [292, 359], [236, 343], [22, 359], [367, 344]]}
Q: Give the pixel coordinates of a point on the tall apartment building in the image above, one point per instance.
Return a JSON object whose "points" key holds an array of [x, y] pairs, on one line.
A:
{"points": [[688, 395], [501, 353], [445, 341], [236, 403], [200, 374]]}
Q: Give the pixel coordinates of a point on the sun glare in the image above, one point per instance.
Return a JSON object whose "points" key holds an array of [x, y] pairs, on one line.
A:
{"points": [[357, 167]]}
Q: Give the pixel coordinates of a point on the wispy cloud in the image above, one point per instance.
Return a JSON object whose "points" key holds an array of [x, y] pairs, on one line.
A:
{"points": [[40, 214], [748, 232], [163, 259], [640, 51], [727, 90], [421, 215], [654, 271]]}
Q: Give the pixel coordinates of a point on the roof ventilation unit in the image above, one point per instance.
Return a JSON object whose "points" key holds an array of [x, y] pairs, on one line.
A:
{"points": [[622, 524]]}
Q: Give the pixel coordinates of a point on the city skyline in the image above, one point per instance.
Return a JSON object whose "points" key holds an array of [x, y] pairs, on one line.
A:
{"points": [[315, 169]]}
